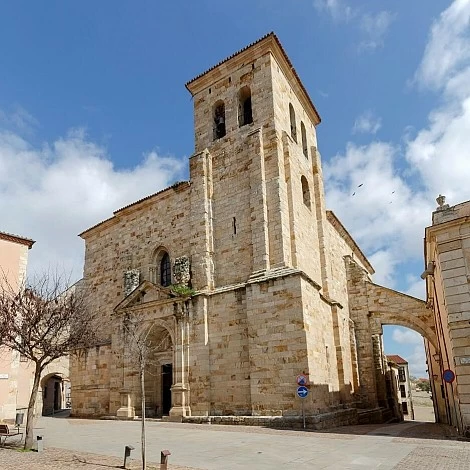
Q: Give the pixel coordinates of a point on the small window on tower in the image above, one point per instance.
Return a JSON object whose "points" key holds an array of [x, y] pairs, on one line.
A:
{"points": [[305, 191], [219, 120], [304, 139], [293, 126], [245, 114]]}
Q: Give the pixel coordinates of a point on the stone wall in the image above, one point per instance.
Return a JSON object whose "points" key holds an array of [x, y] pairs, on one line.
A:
{"points": [[89, 374], [448, 252]]}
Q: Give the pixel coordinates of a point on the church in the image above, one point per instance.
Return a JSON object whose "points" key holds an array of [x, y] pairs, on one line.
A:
{"points": [[241, 277]]}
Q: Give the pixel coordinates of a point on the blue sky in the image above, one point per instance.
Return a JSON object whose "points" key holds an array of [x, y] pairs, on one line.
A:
{"points": [[94, 113]]}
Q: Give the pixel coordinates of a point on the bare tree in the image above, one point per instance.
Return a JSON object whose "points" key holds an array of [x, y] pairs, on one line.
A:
{"points": [[44, 320], [141, 346]]}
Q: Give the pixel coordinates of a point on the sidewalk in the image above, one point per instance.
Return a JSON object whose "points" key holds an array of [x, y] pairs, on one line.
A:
{"points": [[95, 445], [61, 459]]}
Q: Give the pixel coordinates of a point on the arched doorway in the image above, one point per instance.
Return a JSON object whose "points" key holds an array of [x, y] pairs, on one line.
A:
{"points": [[55, 393], [158, 372], [405, 351]]}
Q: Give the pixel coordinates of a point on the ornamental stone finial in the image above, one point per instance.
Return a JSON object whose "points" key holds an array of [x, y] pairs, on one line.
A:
{"points": [[441, 200]]}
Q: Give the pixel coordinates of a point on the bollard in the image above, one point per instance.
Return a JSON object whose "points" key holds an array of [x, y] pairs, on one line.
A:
{"points": [[39, 444], [127, 453], [18, 421], [164, 459]]}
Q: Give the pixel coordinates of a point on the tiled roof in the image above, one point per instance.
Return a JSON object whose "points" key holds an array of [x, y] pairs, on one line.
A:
{"points": [[173, 186], [176, 185], [17, 239], [232, 56], [396, 359]]}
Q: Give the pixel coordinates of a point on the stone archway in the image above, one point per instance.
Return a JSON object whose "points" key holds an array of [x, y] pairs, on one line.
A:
{"points": [[389, 307], [55, 393], [372, 306]]}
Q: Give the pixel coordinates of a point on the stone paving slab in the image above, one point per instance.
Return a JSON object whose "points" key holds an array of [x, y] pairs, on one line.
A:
{"points": [[61, 459], [219, 447]]}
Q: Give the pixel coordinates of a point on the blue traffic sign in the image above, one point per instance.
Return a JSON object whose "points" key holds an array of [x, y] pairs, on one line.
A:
{"points": [[302, 392], [448, 376], [302, 379]]}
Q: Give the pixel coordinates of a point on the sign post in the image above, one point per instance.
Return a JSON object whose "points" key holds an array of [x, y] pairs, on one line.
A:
{"points": [[302, 392]]}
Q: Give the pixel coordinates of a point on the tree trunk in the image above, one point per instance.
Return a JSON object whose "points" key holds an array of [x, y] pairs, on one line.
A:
{"points": [[142, 392], [28, 443]]}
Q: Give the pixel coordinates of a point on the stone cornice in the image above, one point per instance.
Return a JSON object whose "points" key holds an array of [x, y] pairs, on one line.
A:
{"points": [[444, 226]]}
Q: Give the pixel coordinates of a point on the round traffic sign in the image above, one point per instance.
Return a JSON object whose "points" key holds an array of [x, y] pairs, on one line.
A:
{"points": [[448, 376], [302, 392], [302, 379]]}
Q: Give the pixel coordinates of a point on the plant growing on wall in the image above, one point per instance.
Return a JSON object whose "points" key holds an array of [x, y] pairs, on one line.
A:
{"points": [[44, 320], [182, 290]]}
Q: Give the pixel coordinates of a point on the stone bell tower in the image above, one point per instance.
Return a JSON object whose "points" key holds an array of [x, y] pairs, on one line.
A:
{"points": [[255, 145]]}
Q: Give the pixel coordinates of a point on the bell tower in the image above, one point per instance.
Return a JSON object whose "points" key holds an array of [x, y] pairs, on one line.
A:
{"points": [[255, 150]]}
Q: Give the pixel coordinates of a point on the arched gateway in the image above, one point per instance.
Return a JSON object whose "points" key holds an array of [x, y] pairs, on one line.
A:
{"points": [[372, 306]]}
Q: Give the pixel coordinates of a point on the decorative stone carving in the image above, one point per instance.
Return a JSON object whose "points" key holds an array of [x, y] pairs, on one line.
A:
{"points": [[131, 281], [181, 270]]}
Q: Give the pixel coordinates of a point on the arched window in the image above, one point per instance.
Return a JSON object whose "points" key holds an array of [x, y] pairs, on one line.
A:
{"points": [[165, 270], [304, 139], [219, 120], [245, 114], [305, 191], [293, 126]]}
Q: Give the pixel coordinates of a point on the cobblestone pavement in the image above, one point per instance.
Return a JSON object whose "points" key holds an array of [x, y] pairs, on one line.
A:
{"points": [[96, 445], [60, 459]]}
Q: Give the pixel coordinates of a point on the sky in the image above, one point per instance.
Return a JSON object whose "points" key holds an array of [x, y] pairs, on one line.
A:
{"points": [[94, 115]]}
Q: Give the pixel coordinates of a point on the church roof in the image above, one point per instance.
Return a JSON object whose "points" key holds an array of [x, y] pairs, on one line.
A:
{"points": [[396, 359], [9, 237], [266, 38], [174, 186], [341, 229]]}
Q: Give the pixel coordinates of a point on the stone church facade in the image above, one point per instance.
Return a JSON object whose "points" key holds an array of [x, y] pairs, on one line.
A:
{"points": [[275, 285]]}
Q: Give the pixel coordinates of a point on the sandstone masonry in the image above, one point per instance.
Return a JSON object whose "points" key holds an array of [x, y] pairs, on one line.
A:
{"points": [[277, 286]]}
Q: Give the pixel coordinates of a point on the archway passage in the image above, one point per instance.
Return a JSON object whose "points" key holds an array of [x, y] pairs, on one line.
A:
{"points": [[55, 393], [373, 306], [406, 355]]}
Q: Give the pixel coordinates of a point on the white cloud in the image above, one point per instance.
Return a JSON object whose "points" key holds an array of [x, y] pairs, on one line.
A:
{"points": [[338, 9], [18, 119], [387, 215], [65, 187], [416, 287], [367, 123], [447, 53], [406, 336], [417, 362], [439, 152], [374, 201], [374, 29]]}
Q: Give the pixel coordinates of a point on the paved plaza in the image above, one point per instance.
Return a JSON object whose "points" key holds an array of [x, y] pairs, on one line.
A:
{"points": [[90, 444]]}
